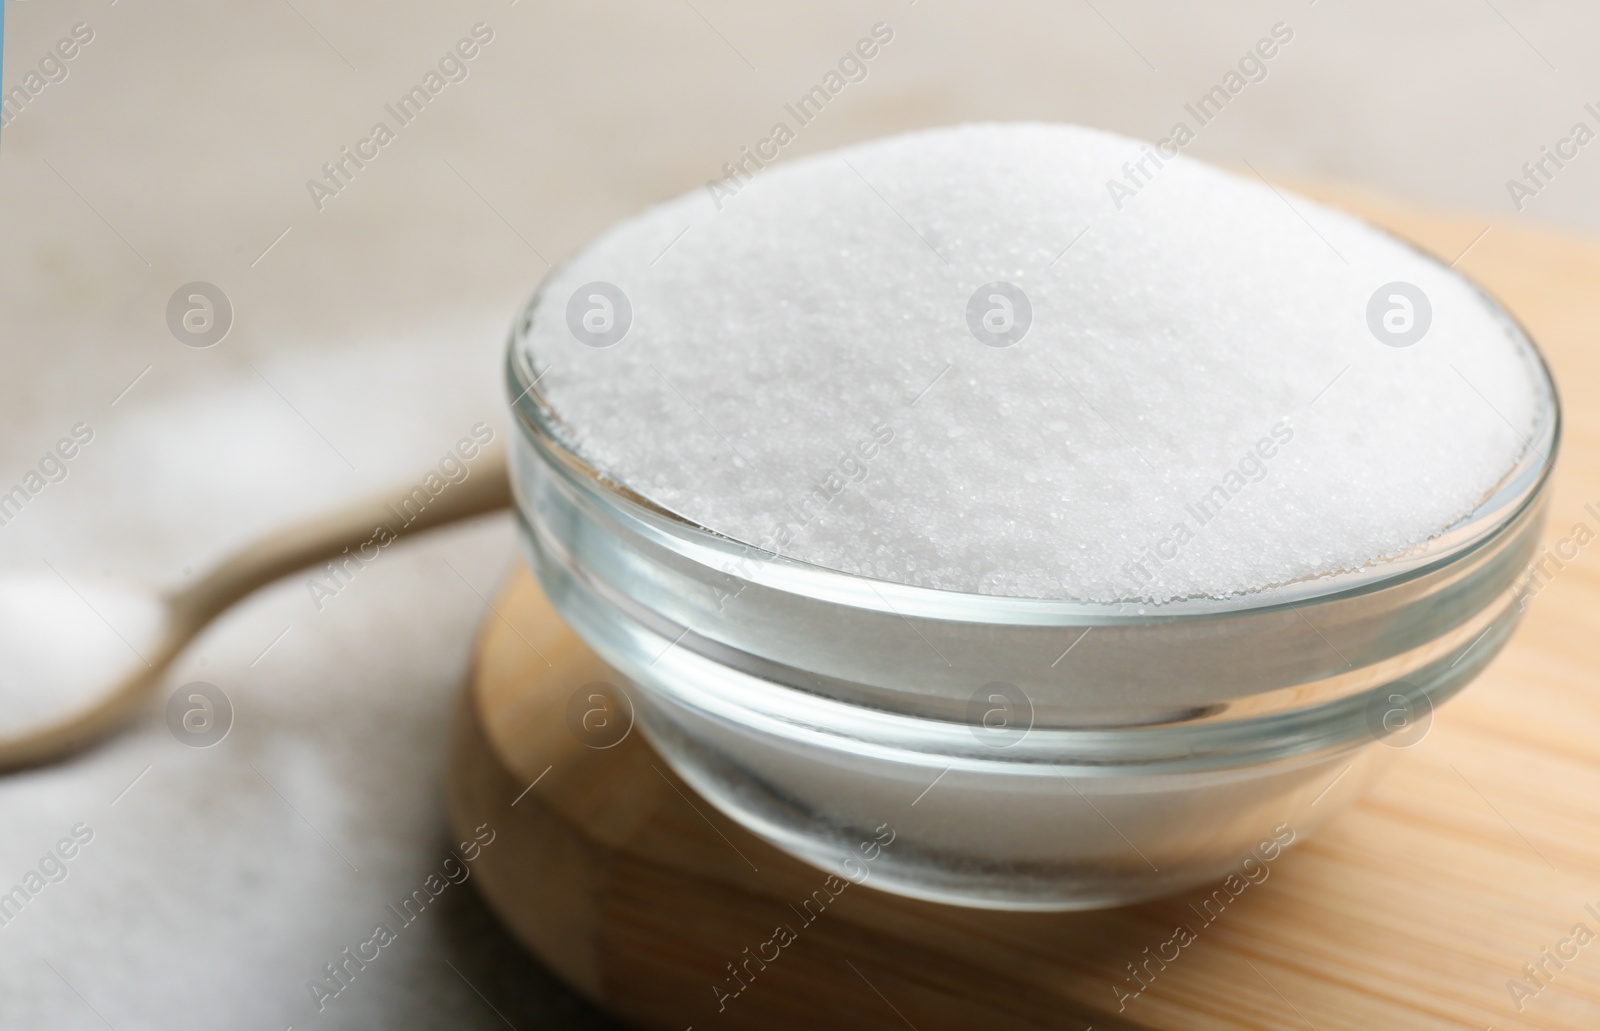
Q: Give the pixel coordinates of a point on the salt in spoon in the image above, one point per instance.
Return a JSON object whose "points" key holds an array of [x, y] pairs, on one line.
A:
{"points": [[54, 631]]}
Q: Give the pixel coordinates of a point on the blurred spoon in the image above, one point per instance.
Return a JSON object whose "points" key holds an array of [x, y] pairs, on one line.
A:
{"points": [[101, 649]]}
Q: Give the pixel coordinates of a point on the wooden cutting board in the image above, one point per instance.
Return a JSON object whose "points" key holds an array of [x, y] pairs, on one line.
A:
{"points": [[1477, 854]]}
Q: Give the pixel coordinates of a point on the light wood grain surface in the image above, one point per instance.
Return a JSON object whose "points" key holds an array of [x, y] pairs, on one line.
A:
{"points": [[1419, 908]]}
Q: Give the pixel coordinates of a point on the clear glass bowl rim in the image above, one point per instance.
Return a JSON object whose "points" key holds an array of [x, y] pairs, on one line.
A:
{"points": [[1522, 486]]}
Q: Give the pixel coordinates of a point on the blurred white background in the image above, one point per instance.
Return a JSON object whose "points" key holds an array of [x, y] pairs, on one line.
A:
{"points": [[366, 339]]}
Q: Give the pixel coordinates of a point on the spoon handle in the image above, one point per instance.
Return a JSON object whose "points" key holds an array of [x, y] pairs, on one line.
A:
{"points": [[340, 534], [387, 517]]}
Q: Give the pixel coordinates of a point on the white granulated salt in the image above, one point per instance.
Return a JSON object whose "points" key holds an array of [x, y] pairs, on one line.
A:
{"points": [[63, 646], [1201, 404]]}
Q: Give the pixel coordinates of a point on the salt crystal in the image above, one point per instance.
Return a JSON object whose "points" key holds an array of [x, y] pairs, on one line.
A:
{"points": [[1190, 398]]}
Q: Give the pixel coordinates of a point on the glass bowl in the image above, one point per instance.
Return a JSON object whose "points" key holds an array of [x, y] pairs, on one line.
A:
{"points": [[1013, 753]]}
